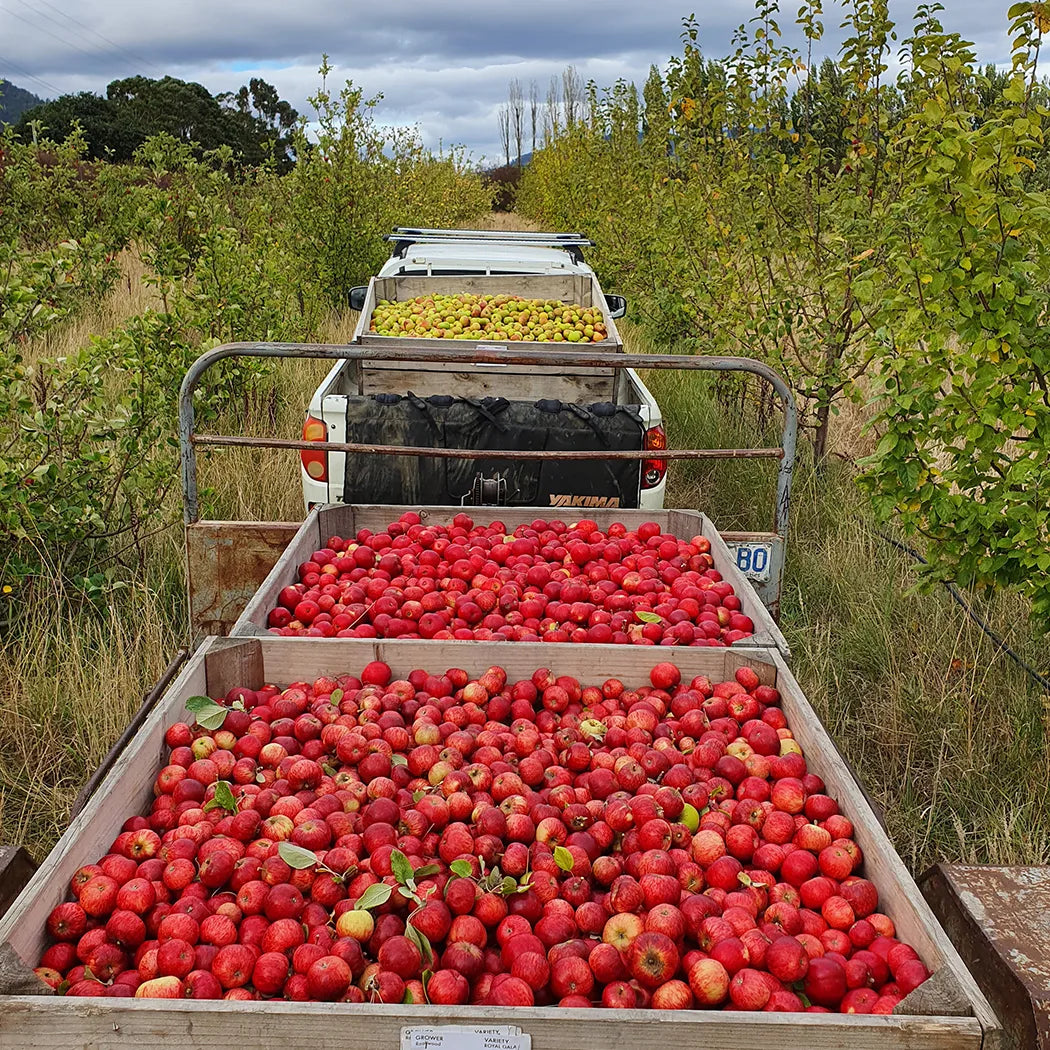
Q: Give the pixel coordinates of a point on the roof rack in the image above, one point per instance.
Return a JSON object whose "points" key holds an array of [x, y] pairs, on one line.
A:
{"points": [[404, 237], [557, 240]]}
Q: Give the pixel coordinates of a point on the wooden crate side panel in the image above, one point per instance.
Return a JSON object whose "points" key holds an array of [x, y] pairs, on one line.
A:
{"points": [[485, 381], [127, 789], [295, 659], [899, 896], [400, 367], [230, 663], [299, 548], [566, 287], [113, 1024]]}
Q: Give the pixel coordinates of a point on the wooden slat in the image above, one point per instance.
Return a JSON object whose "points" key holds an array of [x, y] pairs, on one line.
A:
{"points": [[295, 662], [899, 896], [127, 790], [581, 389], [331, 521], [115, 1024]]}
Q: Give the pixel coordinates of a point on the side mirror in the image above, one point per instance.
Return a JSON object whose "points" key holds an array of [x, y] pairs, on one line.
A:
{"points": [[617, 305], [358, 296]]}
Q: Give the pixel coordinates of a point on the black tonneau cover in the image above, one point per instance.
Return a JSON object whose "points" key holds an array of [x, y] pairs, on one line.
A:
{"points": [[492, 423]]}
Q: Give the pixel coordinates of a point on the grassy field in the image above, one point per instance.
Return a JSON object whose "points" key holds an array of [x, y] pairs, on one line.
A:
{"points": [[950, 738]]}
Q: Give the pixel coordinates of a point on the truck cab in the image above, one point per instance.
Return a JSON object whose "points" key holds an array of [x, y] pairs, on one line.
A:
{"points": [[483, 405]]}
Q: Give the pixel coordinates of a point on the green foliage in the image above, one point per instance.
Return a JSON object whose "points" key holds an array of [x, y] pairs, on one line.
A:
{"points": [[357, 181], [872, 241], [962, 402], [254, 121], [88, 455]]}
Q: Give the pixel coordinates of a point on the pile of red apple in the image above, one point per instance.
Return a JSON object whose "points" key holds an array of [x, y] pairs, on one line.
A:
{"points": [[447, 840], [548, 582]]}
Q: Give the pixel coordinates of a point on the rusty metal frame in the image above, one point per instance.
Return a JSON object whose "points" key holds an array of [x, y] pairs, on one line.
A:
{"points": [[497, 355]]}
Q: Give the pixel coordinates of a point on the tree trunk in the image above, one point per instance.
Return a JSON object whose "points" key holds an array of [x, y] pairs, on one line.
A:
{"points": [[820, 439]]}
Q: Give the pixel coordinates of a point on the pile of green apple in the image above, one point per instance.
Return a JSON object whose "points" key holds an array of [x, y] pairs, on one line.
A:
{"points": [[506, 318]]}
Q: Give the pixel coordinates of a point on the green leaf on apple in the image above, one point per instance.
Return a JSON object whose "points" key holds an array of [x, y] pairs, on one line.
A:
{"points": [[563, 858], [648, 617], [336, 695], [423, 872], [296, 856], [417, 795], [421, 942], [508, 886], [223, 798], [425, 978], [376, 894], [398, 760], [401, 867], [461, 868], [208, 713], [744, 878]]}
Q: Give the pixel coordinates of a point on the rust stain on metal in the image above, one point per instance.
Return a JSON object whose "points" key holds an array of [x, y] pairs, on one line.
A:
{"points": [[226, 562], [999, 918]]}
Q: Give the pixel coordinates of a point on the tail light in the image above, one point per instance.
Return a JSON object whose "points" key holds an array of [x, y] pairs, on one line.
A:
{"points": [[654, 470], [315, 463]]}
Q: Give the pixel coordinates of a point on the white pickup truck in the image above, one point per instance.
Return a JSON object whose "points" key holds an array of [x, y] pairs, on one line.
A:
{"points": [[484, 405]]}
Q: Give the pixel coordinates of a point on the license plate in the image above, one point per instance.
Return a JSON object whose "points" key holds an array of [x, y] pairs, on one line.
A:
{"points": [[753, 559]]}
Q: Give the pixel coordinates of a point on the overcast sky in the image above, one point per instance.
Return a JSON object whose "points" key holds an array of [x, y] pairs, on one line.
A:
{"points": [[441, 65]]}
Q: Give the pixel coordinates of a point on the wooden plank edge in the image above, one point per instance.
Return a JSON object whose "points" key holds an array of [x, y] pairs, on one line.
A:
{"points": [[857, 804], [124, 1019], [770, 633]]}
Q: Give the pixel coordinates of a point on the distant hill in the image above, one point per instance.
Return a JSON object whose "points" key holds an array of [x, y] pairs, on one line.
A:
{"points": [[14, 101]]}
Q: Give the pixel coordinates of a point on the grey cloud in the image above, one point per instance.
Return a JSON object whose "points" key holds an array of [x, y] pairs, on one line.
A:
{"points": [[442, 65]]}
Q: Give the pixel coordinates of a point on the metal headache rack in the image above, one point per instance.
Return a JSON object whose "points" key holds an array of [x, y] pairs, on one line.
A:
{"points": [[403, 237]]}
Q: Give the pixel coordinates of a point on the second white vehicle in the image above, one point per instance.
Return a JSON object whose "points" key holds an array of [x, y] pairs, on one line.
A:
{"points": [[484, 405]]}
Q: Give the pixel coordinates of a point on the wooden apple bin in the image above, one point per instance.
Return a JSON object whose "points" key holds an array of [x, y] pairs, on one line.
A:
{"points": [[947, 1011], [346, 519]]}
